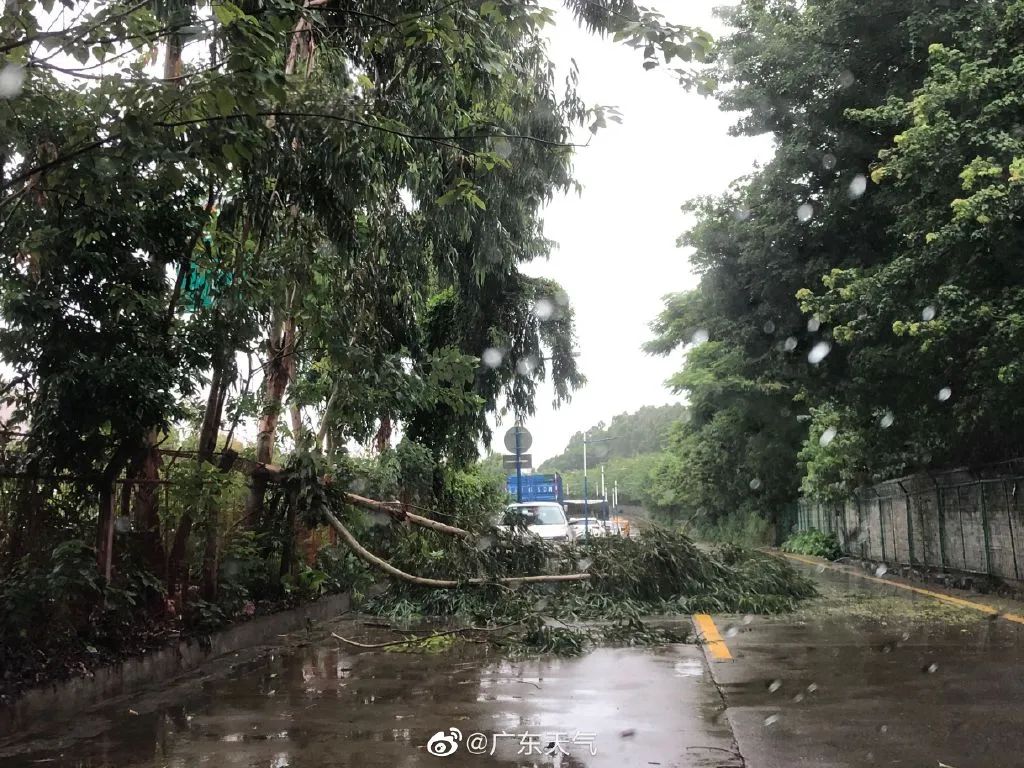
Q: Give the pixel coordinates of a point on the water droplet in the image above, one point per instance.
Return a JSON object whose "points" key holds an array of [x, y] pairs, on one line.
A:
{"points": [[858, 186], [771, 720], [812, 687], [828, 161], [731, 631], [755, 483], [944, 394], [846, 79], [827, 437], [484, 542], [748, 619], [805, 212], [699, 336], [742, 214], [492, 357], [881, 570], [798, 698], [928, 314], [12, 78], [585, 563], [887, 419], [768, 327], [526, 366], [379, 518], [813, 324], [501, 147], [932, 668], [122, 524], [819, 352], [774, 685], [790, 344], [544, 309]]}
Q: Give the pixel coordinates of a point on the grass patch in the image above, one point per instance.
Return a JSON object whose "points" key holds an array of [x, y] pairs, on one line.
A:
{"points": [[814, 543]]}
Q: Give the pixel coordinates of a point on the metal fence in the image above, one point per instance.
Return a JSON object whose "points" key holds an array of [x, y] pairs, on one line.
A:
{"points": [[964, 520]]}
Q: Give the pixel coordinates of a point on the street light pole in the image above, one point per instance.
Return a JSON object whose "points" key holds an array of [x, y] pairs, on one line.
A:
{"points": [[586, 512], [586, 504]]}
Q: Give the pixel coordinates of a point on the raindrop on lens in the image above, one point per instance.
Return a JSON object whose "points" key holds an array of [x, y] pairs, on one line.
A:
{"points": [[544, 309], [858, 186], [790, 344], [501, 147], [699, 336], [484, 542], [768, 327], [755, 484], [731, 631], [819, 352], [526, 366], [814, 324], [944, 394], [771, 720], [828, 161], [827, 436], [812, 687], [774, 685], [932, 668], [122, 524], [492, 357], [887, 419], [805, 212], [798, 698], [12, 77], [881, 571], [928, 314], [742, 214], [846, 79]]}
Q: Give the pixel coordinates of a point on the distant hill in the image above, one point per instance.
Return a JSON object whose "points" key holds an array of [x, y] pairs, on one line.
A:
{"points": [[633, 434]]}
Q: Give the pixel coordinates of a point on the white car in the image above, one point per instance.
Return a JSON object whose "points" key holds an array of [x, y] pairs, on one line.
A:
{"points": [[588, 526], [546, 519]]}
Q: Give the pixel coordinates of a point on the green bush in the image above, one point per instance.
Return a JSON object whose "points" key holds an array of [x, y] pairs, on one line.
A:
{"points": [[813, 542]]}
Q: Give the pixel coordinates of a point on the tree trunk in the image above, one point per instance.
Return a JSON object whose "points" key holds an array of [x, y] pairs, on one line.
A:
{"points": [[383, 437], [207, 446], [146, 511], [280, 371], [105, 523], [219, 383]]}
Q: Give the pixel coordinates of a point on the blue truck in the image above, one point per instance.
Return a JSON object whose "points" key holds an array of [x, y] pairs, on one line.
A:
{"points": [[537, 487]]}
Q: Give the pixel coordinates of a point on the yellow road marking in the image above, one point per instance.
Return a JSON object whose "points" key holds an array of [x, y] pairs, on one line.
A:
{"points": [[712, 639], [950, 599]]}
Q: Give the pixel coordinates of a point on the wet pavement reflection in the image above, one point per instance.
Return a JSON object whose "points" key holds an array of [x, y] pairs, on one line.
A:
{"points": [[321, 705]]}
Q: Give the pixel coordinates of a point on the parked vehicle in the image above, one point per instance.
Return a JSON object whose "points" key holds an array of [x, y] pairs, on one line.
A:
{"points": [[588, 526], [544, 519]]}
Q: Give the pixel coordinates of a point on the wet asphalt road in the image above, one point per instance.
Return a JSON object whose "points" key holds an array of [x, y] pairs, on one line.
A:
{"points": [[865, 676], [886, 681]]}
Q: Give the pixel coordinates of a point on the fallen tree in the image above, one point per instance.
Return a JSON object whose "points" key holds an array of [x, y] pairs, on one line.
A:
{"points": [[368, 557]]}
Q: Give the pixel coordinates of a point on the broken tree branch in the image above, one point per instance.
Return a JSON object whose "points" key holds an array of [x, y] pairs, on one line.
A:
{"points": [[412, 640], [368, 557]]}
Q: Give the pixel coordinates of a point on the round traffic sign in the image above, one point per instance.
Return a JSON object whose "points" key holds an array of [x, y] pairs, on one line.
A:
{"points": [[525, 439]]}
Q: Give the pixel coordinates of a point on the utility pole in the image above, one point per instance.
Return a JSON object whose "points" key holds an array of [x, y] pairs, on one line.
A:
{"points": [[519, 466], [586, 504], [615, 494], [604, 495]]}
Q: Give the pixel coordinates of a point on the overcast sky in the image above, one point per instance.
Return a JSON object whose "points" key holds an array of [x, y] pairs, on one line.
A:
{"points": [[616, 252]]}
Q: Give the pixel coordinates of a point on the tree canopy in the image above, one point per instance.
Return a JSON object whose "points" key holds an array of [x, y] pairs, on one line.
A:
{"points": [[855, 314]]}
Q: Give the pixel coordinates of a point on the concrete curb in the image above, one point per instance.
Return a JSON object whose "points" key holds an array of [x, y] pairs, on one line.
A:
{"points": [[77, 693]]}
